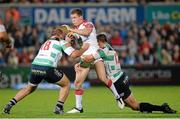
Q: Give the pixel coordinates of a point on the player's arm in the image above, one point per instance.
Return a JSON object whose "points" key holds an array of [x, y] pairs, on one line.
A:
{"points": [[72, 52], [85, 32], [78, 53]]}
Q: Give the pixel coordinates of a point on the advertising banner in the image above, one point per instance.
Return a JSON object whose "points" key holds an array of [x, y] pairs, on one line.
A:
{"points": [[51, 14], [163, 13], [98, 14], [146, 75], [138, 75], [13, 76]]}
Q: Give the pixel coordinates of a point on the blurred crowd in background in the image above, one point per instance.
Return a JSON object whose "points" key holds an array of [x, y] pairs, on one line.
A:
{"points": [[84, 1], [146, 44]]}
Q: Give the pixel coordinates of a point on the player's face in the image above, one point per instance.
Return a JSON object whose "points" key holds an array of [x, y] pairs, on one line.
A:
{"points": [[76, 19], [101, 44]]}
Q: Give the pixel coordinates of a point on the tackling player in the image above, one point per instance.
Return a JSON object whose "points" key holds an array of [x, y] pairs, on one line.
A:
{"points": [[87, 32], [44, 66], [120, 79]]}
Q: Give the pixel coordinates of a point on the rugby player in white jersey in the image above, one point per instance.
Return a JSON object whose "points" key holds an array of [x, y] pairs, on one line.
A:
{"points": [[87, 33], [120, 79], [44, 67], [5, 42]]}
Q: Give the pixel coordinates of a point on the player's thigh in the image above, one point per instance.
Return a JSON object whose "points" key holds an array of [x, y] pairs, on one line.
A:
{"points": [[132, 102], [54, 75], [81, 76], [64, 81], [100, 70]]}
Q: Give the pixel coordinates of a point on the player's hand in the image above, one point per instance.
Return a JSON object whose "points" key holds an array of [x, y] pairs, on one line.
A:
{"points": [[85, 46], [77, 67]]}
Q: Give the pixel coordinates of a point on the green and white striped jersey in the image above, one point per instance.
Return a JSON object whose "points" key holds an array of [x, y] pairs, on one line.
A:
{"points": [[111, 61], [51, 52]]}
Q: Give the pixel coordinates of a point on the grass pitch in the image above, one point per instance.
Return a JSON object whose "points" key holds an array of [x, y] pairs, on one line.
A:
{"points": [[98, 102]]}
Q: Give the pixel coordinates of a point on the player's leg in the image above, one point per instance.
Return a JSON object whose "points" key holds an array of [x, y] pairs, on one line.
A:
{"points": [[100, 70], [63, 94], [81, 74], [132, 102], [19, 96], [147, 107], [35, 79]]}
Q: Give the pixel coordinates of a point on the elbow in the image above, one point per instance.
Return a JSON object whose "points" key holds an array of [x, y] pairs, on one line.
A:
{"points": [[74, 55]]}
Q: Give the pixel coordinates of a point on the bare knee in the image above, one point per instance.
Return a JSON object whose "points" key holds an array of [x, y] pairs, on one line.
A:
{"points": [[64, 84], [135, 107], [132, 102], [30, 89], [77, 84]]}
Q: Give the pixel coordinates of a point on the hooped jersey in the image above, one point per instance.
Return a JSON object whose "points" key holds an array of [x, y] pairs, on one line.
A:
{"points": [[51, 52], [91, 39], [111, 61]]}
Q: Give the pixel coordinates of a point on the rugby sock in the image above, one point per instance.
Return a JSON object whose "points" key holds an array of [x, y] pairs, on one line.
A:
{"points": [[147, 107], [60, 104], [78, 95], [12, 102], [113, 89]]}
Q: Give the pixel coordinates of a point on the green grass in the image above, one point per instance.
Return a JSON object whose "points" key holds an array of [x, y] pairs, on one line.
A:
{"points": [[98, 102]]}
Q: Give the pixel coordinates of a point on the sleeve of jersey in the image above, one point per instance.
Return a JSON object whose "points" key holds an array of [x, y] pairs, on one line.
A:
{"points": [[88, 25], [99, 54], [67, 48]]}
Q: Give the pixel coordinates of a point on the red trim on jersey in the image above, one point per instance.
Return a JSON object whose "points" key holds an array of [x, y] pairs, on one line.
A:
{"points": [[86, 24]]}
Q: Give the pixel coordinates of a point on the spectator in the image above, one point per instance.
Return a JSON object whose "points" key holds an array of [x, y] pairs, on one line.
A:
{"points": [[176, 55], [146, 58], [116, 40], [13, 58], [166, 57]]}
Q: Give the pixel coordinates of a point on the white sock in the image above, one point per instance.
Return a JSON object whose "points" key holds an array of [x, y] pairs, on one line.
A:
{"points": [[78, 95], [113, 89], [78, 101]]}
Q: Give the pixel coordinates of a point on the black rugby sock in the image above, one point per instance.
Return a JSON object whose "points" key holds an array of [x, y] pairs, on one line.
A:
{"points": [[12, 102], [147, 107], [60, 104]]}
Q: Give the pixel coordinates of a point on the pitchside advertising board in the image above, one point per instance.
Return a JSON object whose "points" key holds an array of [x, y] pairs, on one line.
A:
{"points": [[14, 77], [163, 13]]}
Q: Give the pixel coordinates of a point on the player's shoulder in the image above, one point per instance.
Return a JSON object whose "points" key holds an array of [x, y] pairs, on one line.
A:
{"points": [[62, 41], [87, 24]]}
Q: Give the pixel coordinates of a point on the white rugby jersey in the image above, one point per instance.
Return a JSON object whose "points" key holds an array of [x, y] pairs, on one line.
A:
{"points": [[2, 28], [91, 39], [51, 52]]}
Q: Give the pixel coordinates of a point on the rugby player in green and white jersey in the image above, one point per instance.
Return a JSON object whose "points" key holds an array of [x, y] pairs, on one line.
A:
{"points": [[44, 67], [120, 79]]}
